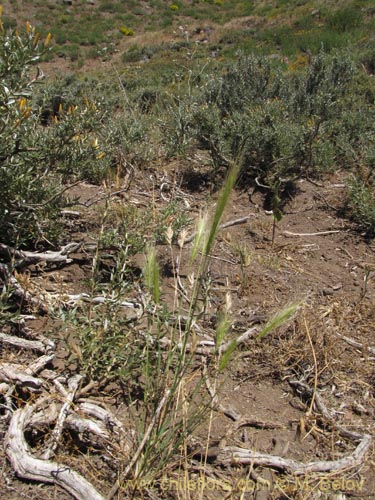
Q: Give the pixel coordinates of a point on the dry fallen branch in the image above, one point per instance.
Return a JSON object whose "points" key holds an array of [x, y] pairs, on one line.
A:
{"points": [[24, 258], [208, 347], [125, 437], [83, 426], [39, 364], [57, 431], [322, 408], [29, 467], [23, 297], [7, 389], [44, 346], [257, 423], [355, 343], [319, 233], [230, 223], [7, 406], [244, 337], [73, 300], [232, 455], [12, 374]]}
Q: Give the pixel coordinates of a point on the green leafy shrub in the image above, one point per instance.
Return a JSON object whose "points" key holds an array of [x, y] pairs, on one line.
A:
{"points": [[34, 159], [361, 204], [277, 124], [135, 54], [345, 19], [28, 205]]}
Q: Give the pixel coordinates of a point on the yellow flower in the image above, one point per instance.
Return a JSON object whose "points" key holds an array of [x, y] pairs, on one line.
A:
{"points": [[28, 27], [100, 155], [47, 40], [126, 31], [26, 112], [22, 103], [95, 144], [36, 39]]}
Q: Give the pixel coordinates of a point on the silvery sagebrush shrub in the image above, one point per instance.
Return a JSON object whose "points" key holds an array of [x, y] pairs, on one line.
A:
{"points": [[277, 123]]}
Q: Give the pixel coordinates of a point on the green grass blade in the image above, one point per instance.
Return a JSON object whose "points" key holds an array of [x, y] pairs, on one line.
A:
{"points": [[221, 204], [226, 356], [279, 319], [152, 274]]}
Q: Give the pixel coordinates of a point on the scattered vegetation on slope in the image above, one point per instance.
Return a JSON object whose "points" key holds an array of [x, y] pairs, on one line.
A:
{"points": [[301, 106]]}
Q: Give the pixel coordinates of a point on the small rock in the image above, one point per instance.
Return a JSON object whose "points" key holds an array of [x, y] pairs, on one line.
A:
{"points": [[337, 287]]}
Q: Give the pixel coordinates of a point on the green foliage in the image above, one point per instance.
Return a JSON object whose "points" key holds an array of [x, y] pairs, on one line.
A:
{"points": [[345, 19], [280, 318], [108, 346], [222, 202], [361, 204], [26, 214], [151, 274], [280, 124], [44, 142], [287, 26], [138, 227]]}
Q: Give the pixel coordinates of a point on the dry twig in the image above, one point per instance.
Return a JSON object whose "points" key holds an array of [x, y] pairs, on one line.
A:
{"points": [[57, 431], [29, 467], [230, 223]]}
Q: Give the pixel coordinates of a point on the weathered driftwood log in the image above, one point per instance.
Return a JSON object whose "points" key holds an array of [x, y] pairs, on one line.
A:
{"points": [[39, 364], [105, 426], [7, 388], [7, 405], [232, 455], [44, 345], [23, 258], [208, 347], [73, 300], [124, 436], [57, 431], [12, 374], [21, 296], [29, 467], [80, 425]]}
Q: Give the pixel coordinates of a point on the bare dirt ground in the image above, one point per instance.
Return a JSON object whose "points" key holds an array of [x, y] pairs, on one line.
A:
{"points": [[317, 258]]}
